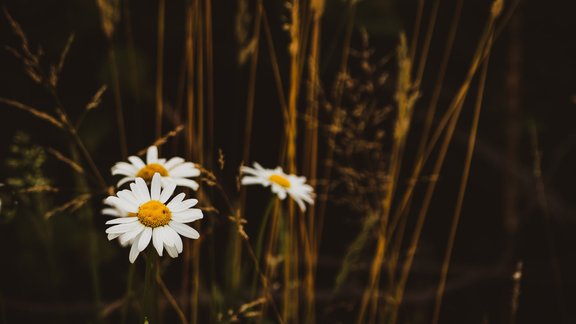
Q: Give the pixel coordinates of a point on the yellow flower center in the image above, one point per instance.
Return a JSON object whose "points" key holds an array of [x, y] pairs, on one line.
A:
{"points": [[148, 171], [154, 214], [280, 180]]}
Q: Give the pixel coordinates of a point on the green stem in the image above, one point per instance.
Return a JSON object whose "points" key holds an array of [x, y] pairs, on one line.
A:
{"points": [[150, 302], [128, 294], [260, 240]]}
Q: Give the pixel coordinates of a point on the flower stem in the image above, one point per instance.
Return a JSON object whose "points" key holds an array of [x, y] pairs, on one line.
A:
{"points": [[128, 295], [149, 303]]}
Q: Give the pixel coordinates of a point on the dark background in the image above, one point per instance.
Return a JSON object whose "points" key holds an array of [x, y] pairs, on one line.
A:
{"points": [[486, 251]]}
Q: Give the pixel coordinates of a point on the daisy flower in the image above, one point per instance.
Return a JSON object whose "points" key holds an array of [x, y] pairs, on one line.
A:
{"points": [[281, 184], [174, 170], [142, 215]]}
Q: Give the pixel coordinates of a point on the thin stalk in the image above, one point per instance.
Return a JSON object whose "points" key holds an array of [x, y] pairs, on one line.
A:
{"points": [[252, 86], [405, 103], [128, 293], [399, 290], [416, 30], [118, 101], [311, 158], [127, 17], [269, 261], [72, 132], [461, 193], [452, 115], [438, 85], [444, 122], [427, 42], [199, 148], [328, 161], [160, 67], [547, 228], [209, 80], [190, 129], [274, 63], [149, 301], [290, 302], [171, 300]]}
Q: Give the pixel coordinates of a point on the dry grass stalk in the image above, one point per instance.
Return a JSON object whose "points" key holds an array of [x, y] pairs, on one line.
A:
{"points": [[310, 157], [462, 191], [97, 98], [69, 206], [405, 97], [160, 66], [75, 166], [162, 140], [40, 188], [30, 59], [517, 279], [37, 113], [448, 124], [56, 70], [109, 16]]}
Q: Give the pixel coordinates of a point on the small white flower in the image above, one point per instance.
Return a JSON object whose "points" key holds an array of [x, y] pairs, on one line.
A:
{"points": [[174, 170], [280, 183], [143, 216]]}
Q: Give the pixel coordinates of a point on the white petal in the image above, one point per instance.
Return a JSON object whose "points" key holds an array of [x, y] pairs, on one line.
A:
{"points": [[187, 183], [249, 170], [300, 203], [167, 192], [122, 228], [250, 180], [176, 200], [188, 216], [134, 252], [113, 236], [157, 240], [123, 181], [152, 155], [155, 186], [167, 181], [176, 208], [137, 162], [280, 191], [111, 212], [124, 168], [185, 170], [172, 252], [142, 188], [129, 196], [122, 220], [184, 230], [137, 194], [144, 239], [175, 237], [167, 237], [122, 204], [132, 234], [173, 162], [257, 166]]}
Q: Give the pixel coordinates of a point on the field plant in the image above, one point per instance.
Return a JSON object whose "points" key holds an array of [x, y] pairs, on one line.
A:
{"points": [[157, 200]]}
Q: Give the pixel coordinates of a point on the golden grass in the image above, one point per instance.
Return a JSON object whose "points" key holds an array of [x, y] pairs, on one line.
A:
{"points": [[287, 251]]}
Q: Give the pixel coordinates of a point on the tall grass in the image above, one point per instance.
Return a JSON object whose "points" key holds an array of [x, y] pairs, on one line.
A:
{"points": [[271, 275]]}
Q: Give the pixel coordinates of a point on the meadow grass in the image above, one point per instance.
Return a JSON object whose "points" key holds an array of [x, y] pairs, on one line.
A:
{"points": [[272, 274]]}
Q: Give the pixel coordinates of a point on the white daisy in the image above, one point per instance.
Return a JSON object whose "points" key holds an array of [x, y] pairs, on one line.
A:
{"points": [[174, 170], [280, 183], [143, 216]]}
